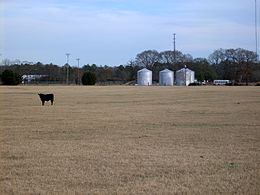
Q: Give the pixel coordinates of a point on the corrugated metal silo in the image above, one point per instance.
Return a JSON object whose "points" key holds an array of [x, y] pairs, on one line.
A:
{"points": [[144, 77], [192, 77], [166, 77], [185, 74]]}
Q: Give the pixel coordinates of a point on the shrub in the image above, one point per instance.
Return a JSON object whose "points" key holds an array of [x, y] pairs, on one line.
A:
{"points": [[9, 77], [195, 84], [89, 78]]}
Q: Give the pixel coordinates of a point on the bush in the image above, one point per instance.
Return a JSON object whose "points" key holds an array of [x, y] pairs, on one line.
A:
{"points": [[9, 77], [89, 78], [195, 84]]}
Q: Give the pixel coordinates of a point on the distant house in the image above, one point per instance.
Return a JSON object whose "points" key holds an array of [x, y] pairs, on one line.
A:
{"points": [[31, 78]]}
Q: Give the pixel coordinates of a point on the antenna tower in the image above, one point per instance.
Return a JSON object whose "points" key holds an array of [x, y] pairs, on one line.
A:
{"points": [[174, 48]]}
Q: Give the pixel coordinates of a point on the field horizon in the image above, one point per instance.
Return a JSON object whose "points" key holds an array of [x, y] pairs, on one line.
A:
{"points": [[130, 140]]}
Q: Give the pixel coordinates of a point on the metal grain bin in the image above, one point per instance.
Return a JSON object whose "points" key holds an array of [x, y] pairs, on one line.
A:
{"points": [[166, 77], [185, 74], [144, 77]]}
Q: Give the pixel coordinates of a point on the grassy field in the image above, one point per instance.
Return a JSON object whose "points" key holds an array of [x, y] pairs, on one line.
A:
{"points": [[130, 140]]}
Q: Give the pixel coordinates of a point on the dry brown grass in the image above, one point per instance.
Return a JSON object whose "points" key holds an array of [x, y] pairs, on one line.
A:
{"points": [[130, 140]]}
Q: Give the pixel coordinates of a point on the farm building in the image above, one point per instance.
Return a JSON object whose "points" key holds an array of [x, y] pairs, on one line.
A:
{"points": [[32, 78], [166, 77], [144, 77], [185, 76]]}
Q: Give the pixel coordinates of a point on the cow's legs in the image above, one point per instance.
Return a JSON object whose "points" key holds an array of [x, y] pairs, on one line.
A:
{"points": [[42, 103]]}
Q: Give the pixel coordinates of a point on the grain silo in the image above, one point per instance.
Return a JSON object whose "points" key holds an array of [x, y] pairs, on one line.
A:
{"points": [[185, 76], [166, 77], [144, 77]]}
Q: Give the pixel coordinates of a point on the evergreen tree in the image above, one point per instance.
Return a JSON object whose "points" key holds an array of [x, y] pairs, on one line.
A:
{"points": [[9, 77], [88, 78]]}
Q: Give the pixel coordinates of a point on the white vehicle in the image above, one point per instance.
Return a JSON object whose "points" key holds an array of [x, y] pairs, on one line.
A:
{"points": [[221, 82]]}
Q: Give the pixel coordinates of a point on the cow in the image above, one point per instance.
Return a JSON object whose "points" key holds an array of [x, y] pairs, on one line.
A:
{"points": [[46, 97]]}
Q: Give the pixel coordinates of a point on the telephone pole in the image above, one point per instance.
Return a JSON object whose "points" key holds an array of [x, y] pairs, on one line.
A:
{"points": [[67, 66], [78, 71], [256, 33]]}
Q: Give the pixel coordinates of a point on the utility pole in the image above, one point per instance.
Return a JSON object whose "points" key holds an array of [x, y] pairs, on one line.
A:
{"points": [[78, 71], [67, 65], [256, 33], [174, 48], [185, 75]]}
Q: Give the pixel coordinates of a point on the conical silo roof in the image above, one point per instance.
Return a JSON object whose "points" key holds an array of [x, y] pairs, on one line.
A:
{"points": [[144, 70]]}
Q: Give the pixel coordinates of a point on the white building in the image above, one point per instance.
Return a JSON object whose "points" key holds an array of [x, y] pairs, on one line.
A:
{"points": [[28, 78]]}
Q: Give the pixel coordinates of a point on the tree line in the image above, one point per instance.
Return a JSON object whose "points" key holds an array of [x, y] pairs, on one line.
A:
{"points": [[239, 65]]}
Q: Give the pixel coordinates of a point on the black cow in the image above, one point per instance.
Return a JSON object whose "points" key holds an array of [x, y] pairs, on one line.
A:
{"points": [[46, 97]]}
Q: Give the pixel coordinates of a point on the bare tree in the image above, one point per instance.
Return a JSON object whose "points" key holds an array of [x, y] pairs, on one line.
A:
{"points": [[167, 57], [234, 64], [245, 60], [217, 56], [6, 62], [148, 58]]}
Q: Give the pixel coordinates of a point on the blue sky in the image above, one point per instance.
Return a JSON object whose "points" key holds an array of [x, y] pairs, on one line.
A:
{"points": [[112, 32]]}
